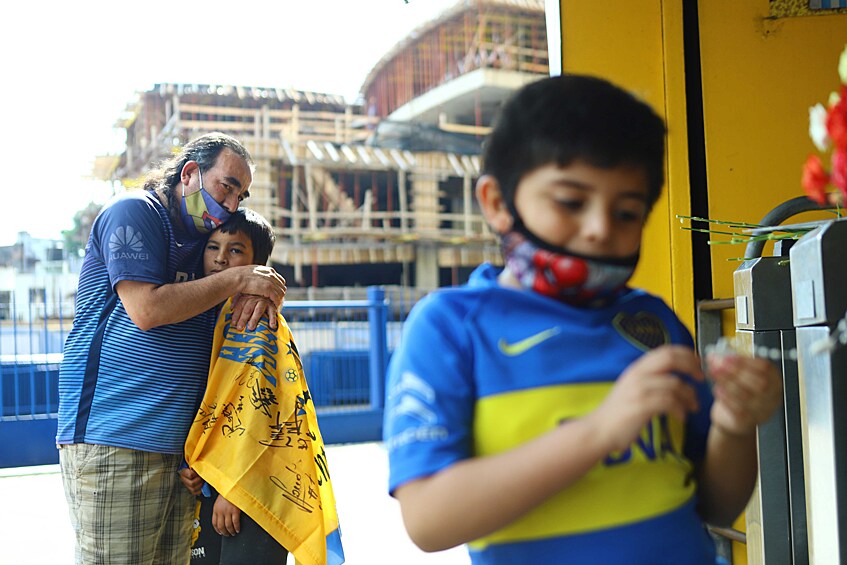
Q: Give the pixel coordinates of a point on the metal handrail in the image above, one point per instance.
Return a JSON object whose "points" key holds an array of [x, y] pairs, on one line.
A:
{"points": [[729, 533], [708, 331]]}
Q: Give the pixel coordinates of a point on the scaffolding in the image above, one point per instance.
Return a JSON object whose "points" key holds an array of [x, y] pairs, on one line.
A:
{"points": [[504, 35], [336, 186]]}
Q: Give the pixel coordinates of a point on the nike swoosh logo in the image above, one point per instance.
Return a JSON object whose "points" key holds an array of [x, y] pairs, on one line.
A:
{"points": [[524, 345]]}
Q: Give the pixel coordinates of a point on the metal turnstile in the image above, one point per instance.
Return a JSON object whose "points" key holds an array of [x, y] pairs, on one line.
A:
{"points": [[776, 514], [819, 291]]}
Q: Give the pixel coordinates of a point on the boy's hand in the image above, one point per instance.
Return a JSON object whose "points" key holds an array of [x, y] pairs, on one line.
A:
{"points": [[191, 480], [747, 391], [650, 386], [226, 517]]}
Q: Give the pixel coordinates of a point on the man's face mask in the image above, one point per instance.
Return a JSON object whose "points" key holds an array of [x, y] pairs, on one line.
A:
{"points": [[200, 212], [561, 274]]}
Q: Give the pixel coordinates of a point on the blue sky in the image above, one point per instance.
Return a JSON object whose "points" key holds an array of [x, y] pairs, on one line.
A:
{"points": [[69, 68]]}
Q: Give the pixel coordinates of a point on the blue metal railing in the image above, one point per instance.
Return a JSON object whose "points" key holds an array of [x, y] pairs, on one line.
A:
{"points": [[344, 345]]}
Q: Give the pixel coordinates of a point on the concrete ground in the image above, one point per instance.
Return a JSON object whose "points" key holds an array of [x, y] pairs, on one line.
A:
{"points": [[35, 529]]}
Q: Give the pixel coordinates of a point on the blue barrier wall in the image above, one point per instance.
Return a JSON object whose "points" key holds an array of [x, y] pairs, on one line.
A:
{"points": [[338, 378], [28, 442], [29, 386]]}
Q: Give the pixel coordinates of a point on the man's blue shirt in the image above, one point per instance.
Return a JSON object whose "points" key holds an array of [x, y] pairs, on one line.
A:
{"points": [[119, 385]]}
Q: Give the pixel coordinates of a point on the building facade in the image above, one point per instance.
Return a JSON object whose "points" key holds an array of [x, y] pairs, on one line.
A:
{"points": [[379, 191]]}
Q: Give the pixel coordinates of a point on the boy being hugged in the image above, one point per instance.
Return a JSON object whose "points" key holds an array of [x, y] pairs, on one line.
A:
{"points": [[255, 438], [545, 412]]}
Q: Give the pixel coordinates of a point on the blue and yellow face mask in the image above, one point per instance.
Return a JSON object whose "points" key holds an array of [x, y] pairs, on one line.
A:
{"points": [[200, 212]]}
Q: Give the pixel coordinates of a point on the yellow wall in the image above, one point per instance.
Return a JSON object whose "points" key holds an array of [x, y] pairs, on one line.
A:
{"points": [[760, 76], [638, 45]]}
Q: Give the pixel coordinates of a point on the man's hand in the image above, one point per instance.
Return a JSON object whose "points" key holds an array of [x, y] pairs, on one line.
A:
{"points": [[262, 281], [191, 480], [226, 517], [650, 386], [261, 293], [248, 309]]}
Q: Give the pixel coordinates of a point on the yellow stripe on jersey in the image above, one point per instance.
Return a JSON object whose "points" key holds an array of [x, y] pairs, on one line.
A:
{"points": [[649, 479]]}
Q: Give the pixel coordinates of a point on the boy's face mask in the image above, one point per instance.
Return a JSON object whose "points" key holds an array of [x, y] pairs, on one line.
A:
{"points": [[200, 212], [560, 274]]}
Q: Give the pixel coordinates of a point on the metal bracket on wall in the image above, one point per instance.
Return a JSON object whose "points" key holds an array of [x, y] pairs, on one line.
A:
{"points": [[709, 327], [709, 331]]}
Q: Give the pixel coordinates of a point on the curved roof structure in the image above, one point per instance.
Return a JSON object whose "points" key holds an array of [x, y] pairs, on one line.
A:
{"points": [[503, 43]]}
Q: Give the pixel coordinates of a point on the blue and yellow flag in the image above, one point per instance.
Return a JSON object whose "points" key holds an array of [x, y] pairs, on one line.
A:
{"points": [[256, 440]]}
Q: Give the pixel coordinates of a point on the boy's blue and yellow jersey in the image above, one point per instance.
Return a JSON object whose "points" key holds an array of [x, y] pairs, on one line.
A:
{"points": [[481, 369]]}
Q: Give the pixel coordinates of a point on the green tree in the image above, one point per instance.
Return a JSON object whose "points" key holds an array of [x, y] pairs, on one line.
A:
{"points": [[76, 237]]}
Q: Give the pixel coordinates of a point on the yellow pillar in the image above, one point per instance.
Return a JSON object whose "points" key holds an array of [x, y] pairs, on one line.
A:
{"points": [[637, 44]]}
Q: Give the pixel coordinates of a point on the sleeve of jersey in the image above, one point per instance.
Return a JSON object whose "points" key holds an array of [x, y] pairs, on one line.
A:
{"points": [[131, 239], [429, 394]]}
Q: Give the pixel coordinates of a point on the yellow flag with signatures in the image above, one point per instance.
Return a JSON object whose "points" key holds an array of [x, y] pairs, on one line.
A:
{"points": [[255, 439]]}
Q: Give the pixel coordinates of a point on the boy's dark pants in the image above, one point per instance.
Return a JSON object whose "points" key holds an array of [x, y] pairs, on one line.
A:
{"points": [[251, 546]]}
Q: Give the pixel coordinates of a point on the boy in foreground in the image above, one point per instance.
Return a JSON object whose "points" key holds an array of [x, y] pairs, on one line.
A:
{"points": [[255, 439], [545, 412]]}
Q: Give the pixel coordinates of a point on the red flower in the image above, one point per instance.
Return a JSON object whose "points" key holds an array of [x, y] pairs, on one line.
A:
{"points": [[815, 179], [839, 169], [836, 121]]}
